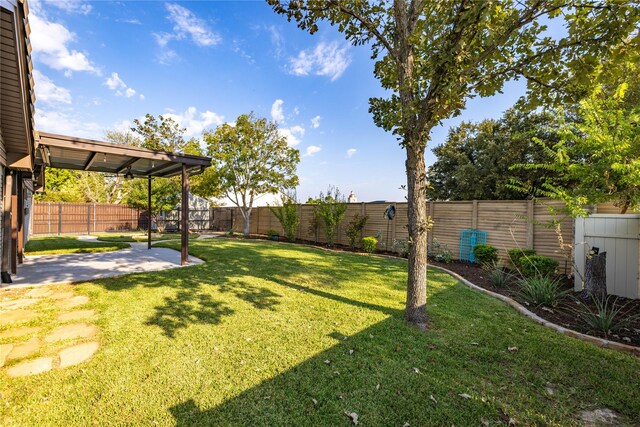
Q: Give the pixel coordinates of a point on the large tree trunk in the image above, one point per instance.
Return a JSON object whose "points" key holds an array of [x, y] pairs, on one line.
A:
{"points": [[416, 308]]}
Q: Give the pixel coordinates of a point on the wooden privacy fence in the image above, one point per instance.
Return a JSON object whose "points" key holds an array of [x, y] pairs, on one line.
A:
{"points": [[73, 218], [509, 224]]}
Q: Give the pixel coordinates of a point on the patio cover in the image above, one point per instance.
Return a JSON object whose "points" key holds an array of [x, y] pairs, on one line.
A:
{"points": [[68, 152]]}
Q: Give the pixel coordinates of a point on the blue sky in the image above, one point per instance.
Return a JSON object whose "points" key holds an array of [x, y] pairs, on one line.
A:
{"points": [[99, 65]]}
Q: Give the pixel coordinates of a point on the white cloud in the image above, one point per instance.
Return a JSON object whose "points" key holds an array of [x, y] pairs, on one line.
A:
{"points": [[186, 23], [315, 122], [71, 6], [47, 91], [115, 82], [326, 59], [312, 149], [196, 122], [132, 21], [351, 152], [292, 134], [50, 45], [276, 111], [67, 123], [141, 97], [277, 40]]}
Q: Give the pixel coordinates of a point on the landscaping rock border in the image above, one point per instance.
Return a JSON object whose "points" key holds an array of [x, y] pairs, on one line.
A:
{"points": [[600, 342]]}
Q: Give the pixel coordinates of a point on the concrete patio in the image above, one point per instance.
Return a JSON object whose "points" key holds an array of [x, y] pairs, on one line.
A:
{"points": [[71, 268]]}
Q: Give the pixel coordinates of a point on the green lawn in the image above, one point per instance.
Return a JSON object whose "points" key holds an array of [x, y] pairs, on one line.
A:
{"points": [[141, 237], [67, 245], [271, 334]]}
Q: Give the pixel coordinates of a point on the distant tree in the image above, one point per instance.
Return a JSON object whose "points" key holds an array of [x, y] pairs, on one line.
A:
{"points": [[251, 159], [433, 55], [61, 186], [475, 161], [165, 195], [330, 210], [164, 134], [286, 210], [599, 156]]}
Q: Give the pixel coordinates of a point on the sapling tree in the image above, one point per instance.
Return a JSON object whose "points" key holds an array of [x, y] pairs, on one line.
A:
{"points": [[286, 210], [330, 210], [432, 56]]}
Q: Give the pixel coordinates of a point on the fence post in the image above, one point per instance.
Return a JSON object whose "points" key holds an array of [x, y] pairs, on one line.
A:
{"points": [[94, 219], [59, 219], [530, 220], [88, 219], [474, 214], [49, 218], [430, 232]]}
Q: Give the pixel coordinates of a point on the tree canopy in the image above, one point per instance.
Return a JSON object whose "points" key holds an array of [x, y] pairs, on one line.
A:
{"points": [[251, 158], [475, 161], [432, 56]]}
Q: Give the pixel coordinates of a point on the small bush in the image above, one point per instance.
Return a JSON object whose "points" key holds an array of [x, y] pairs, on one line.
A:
{"points": [[273, 234], [401, 246], [440, 253], [516, 254], [485, 254], [231, 233], [499, 277], [538, 265], [607, 317], [369, 244], [286, 211], [355, 227], [541, 290]]}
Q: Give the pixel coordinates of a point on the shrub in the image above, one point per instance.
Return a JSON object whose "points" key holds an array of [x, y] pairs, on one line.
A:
{"points": [[538, 265], [516, 254], [231, 233], [273, 234], [440, 253], [287, 214], [485, 254], [330, 209], [355, 227], [606, 317], [499, 276], [401, 246], [369, 244], [541, 290]]}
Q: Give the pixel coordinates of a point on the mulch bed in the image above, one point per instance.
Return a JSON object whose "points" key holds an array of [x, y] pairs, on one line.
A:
{"points": [[564, 314]]}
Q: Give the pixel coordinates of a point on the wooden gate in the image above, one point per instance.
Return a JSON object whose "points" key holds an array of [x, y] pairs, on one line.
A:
{"points": [[619, 236]]}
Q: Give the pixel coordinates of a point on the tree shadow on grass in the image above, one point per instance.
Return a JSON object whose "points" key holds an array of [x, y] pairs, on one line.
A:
{"points": [[188, 307]]}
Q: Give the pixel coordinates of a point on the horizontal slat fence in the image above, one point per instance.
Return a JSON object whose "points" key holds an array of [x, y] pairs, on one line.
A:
{"points": [[508, 223]]}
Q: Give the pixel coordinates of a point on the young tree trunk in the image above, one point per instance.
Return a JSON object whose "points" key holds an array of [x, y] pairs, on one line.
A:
{"points": [[416, 308], [246, 216], [595, 276]]}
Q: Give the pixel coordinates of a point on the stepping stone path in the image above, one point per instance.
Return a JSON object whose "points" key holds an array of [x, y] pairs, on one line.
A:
{"points": [[13, 314]]}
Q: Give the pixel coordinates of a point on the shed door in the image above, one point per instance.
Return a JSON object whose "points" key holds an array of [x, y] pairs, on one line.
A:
{"points": [[619, 236]]}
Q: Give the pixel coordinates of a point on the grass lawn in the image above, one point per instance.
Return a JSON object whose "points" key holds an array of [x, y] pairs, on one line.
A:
{"points": [[272, 334], [141, 237], [67, 245]]}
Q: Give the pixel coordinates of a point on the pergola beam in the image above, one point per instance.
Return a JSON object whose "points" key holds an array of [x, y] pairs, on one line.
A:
{"points": [[92, 158], [155, 170], [126, 164]]}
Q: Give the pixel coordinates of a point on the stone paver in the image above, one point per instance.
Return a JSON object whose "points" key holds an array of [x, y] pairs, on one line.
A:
{"points": [[76, 315], [25, 349], [18, 332], [5, 349], [77, 354], [17, 303], [39, 292], [77, 330], [62, 295], [31, 367], [73, 302], [16, 316]]}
